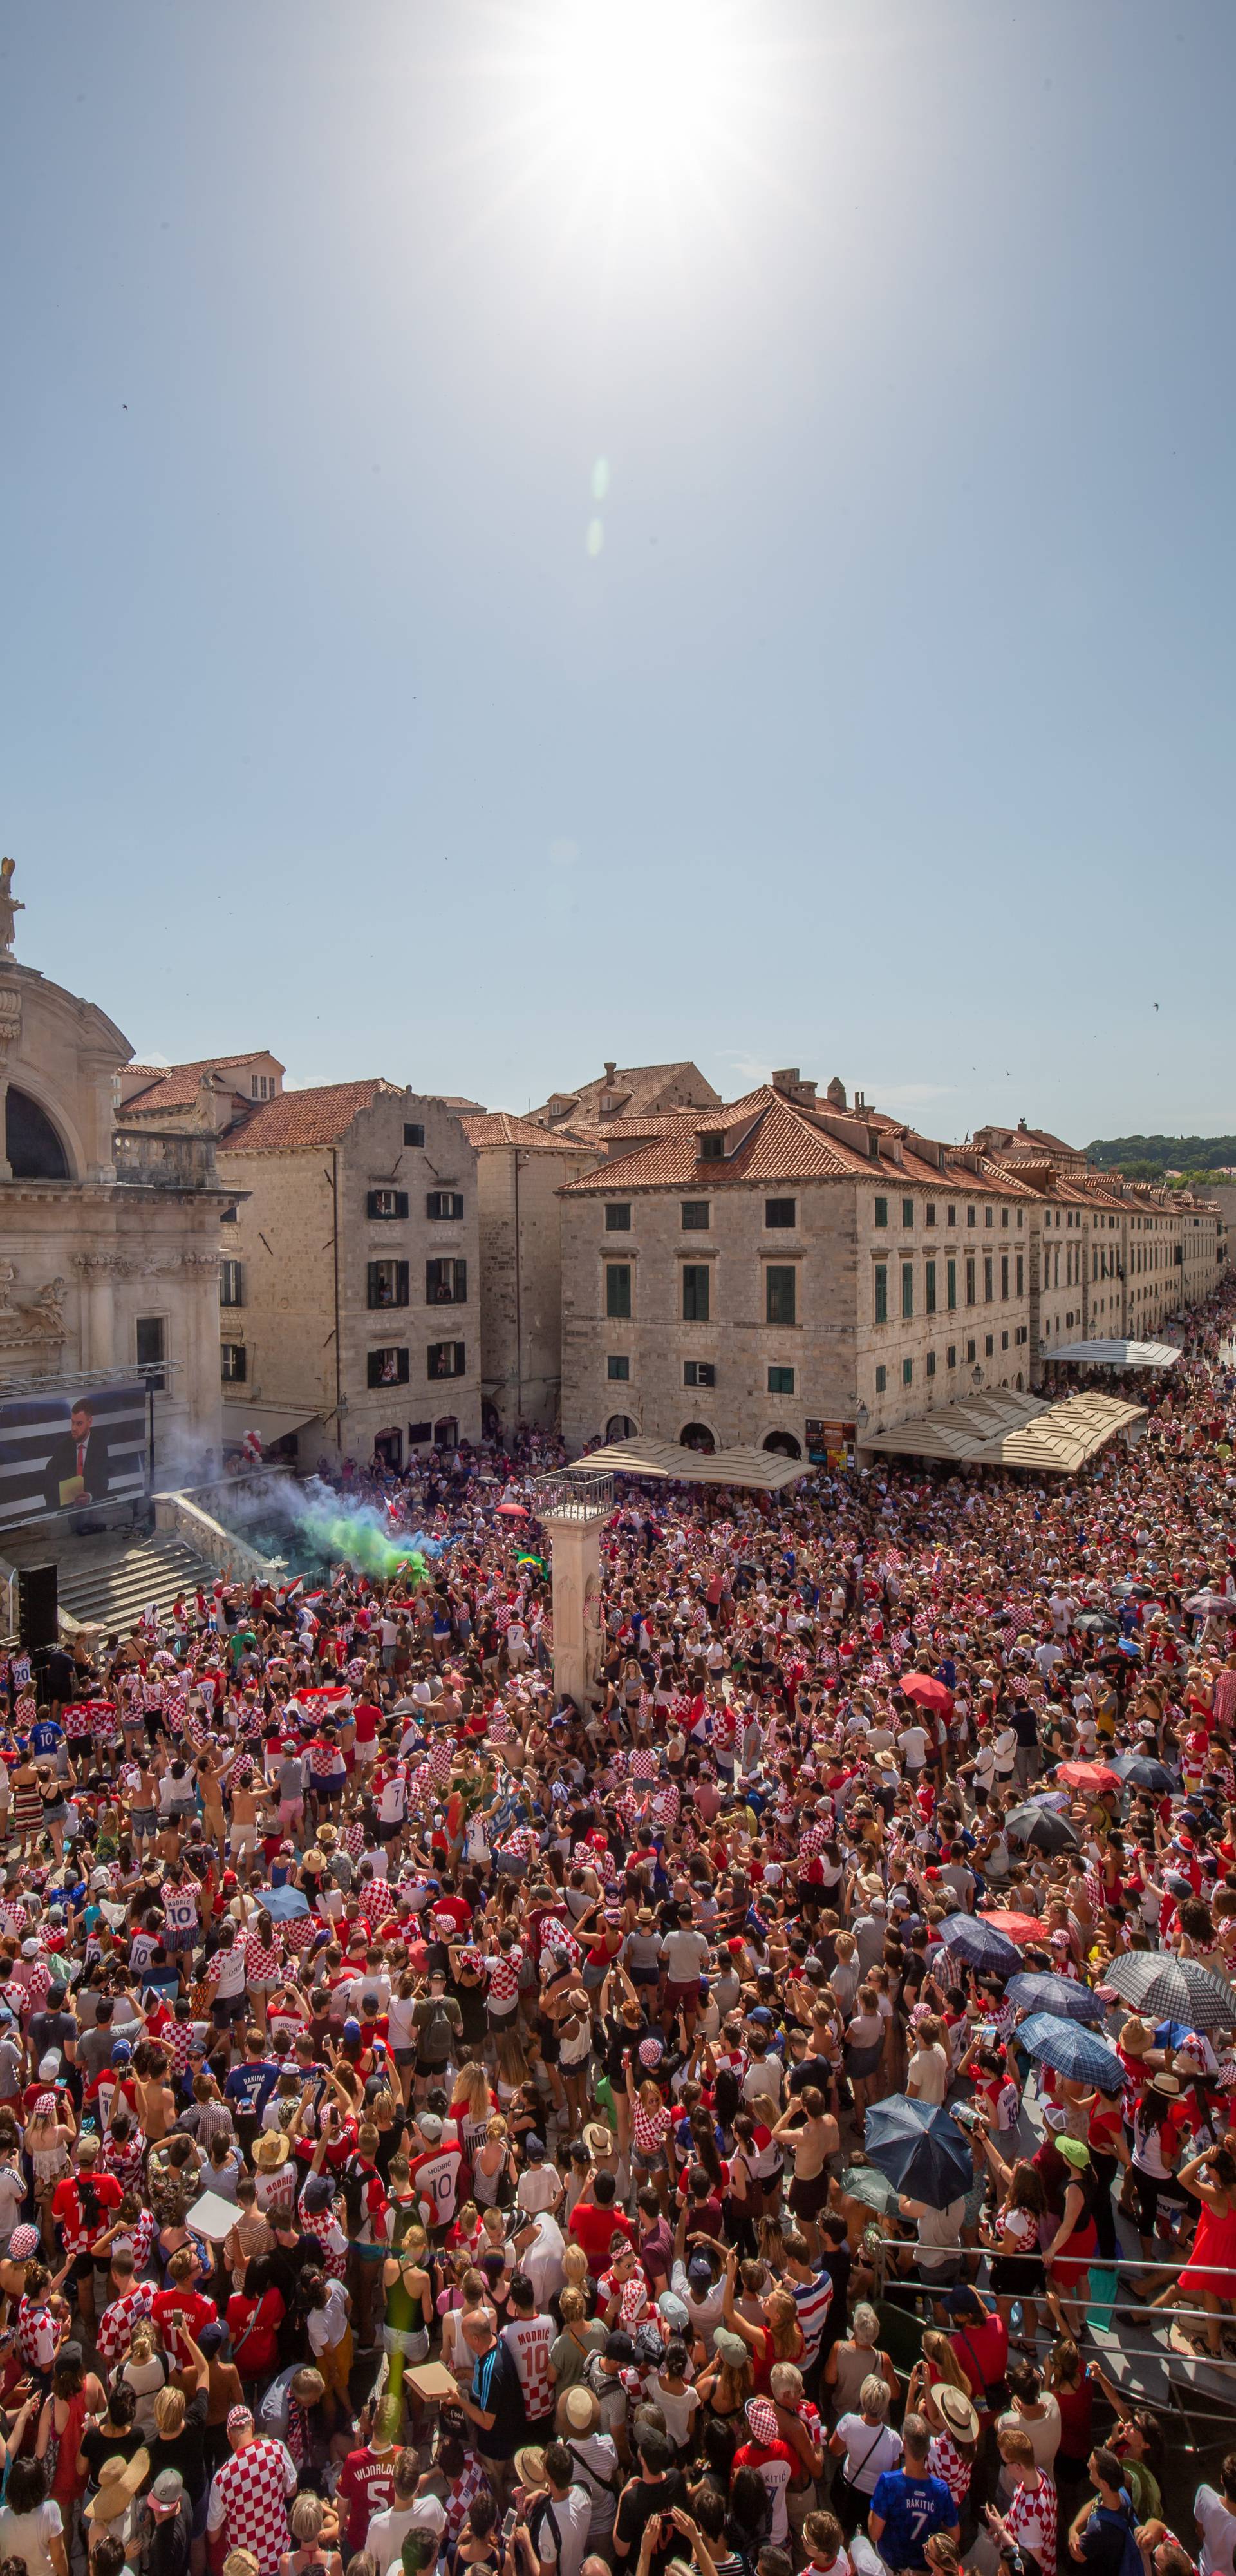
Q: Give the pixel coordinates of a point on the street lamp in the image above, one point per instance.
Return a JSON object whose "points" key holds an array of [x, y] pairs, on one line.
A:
{"points": [[861, 1419], [976, 1375]]}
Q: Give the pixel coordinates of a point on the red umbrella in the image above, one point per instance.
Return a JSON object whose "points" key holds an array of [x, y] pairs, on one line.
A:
{"points": [[1094, 1776], [1015, 1927], [927, 1691], [514, 1511]]}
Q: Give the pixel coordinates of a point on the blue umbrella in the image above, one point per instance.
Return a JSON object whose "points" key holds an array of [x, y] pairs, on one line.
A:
{"points": [[284, 1904], [1060, 1995], [920, 2149], [981, 1947], [1074, 2053]]}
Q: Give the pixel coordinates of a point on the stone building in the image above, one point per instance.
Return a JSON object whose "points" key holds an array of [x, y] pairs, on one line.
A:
{"points": [[109, 1249], [350, 1289], [520, 1171], [787, 1270]]}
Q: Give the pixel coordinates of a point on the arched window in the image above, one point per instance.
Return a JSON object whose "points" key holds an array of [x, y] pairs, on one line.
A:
{"points": [[784, 1443], [620, 1427], [697, 1435], [33, 1148]]}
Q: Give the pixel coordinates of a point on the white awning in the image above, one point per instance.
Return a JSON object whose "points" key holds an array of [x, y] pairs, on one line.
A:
{"points": [[766, 1470], [270, 1421], [1117, 1354], [1052, 1438]]}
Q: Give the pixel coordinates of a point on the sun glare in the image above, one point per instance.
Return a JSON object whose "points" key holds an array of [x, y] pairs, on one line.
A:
{"points": [[635, 87]]}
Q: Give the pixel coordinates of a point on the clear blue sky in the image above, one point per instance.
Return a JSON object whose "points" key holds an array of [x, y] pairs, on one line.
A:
{"points": [[887, 352]]}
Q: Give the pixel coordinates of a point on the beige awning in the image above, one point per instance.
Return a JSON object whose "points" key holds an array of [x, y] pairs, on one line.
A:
{"points": [[1117, 1354], [764, 1469], [1003, 1429], [270, 1421]]}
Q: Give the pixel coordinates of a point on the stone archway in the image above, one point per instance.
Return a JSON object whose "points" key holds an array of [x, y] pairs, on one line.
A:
{"points": [[784, 1444], [31, 1143], [697, 1436], [620, 1427]]}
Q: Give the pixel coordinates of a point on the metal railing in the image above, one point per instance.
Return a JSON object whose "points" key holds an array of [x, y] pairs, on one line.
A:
{"points": [[572, 1494]]}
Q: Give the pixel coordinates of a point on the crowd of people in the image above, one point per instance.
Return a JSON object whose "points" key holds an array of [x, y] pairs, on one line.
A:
{"points": [[444, 2126]]}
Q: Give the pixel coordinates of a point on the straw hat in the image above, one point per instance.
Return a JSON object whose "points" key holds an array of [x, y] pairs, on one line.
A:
{"points": [[1168, 2085], [579, 2411], [1136, 2037], [530, 2467], [119, 2480], [271, 2150], [958, 2413], [598, 2139]]}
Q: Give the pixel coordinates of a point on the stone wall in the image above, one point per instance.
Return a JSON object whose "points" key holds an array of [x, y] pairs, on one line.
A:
{"points": [[521, 1280]]}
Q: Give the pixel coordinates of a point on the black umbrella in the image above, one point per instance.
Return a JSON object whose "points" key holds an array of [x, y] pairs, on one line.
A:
{"points": [[1170, 1989], [919, 2148], [1039, 1829], [1095, 1619], [1141, 1771]]}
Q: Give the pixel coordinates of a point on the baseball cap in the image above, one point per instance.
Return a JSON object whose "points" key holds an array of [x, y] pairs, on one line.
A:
{"points": [[351, 2027], [430, 2127]]}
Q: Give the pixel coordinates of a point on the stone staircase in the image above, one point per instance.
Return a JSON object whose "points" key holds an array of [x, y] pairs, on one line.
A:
{"points": [[111, 1589]]}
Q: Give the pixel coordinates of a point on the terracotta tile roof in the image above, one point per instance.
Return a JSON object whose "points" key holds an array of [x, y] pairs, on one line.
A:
{"points": [[637, 1085], [176, 1086], [502, 1127], [300, 1118], [784, 1141]]}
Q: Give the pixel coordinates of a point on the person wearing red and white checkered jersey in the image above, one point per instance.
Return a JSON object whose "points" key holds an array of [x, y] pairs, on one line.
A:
{"points": [[117, 2322], [249, 2495]]}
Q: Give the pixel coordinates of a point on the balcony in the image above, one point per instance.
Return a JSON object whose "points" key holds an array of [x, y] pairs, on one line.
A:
{"points": [[152, 1160], [572, 1494]]}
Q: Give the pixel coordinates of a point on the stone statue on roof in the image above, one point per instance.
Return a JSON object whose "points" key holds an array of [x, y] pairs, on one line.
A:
{"points": [[9, 907]]}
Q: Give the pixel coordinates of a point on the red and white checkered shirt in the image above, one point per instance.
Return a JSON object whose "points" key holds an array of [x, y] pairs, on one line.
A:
{"points": [[250, 2496], [502, 1975], [323, 2224], [36, 2334], [117, 2322], [261, 1958]]}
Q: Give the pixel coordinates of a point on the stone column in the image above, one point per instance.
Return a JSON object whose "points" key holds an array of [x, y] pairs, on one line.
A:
{"points": [[574, 1507]]}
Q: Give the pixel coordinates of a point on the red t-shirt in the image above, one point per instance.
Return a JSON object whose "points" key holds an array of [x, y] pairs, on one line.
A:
{"points": [[592, 2227], [197, 2312], [366, 2485], [366, 1719]]}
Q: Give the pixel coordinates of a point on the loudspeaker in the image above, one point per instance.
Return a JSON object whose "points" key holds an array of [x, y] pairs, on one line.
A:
{"points": [[37, 1607]]}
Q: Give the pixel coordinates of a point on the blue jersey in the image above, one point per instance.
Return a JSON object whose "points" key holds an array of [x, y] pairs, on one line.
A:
{"points": [[911, 2509]]}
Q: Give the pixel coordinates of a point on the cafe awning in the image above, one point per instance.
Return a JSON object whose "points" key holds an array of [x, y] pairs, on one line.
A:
{"points": [[1117, 1354], [1052, 1439], [766, 1470]]}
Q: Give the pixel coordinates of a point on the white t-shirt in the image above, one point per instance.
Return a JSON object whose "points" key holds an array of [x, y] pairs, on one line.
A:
{"points": [[1216, 2521], [868, 2452], [562, 2541], [388, 2531]]}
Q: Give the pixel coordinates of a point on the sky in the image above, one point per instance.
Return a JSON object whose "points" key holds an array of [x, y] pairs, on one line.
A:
{"points": [[577, 529]]}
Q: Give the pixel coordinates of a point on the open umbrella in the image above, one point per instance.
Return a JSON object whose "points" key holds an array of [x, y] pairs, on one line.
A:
{"points": [[1043, 1993], [1095, 1619], [1038, 1829], [873, 2188], [1094, 1776], [514, 1511], [1219, 1605], [928, 1692], [1015, 1927], [1168, 1989], [1141, 1771], [920, 2149], [285, 1904], [981, 1946], [1073, 2052]]}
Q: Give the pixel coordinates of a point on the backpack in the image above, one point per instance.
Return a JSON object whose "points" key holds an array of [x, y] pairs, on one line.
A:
{"points": [[353, 2180], [1126, 2523]]}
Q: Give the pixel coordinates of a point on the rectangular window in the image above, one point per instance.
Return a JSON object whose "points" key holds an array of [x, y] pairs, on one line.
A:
{"points": [[695, 1216], [1021, 1216], [618, 1288], [950, 1356], [988, 1278], [712, 1146], [907, 1372], [780, 1211], [907, 1291], [419, 1432], [1021, 1274], [387, 1203], [231, 1283], [881, 1378], [988, 1345], [1004, 1274], [780, 1292], [446, 1283], [386, 1283], [445, 1359], [971, 1216], [929, 1288], [989, 1216], [951, 1218], [152, 1350], [695, 1292], [929, 1213], [618, 1219], [881, 1212], [781, 1381], [233, 1363], [970, 1349], [617, 1365], [699, 1373], [931, 1363], [1004, 1341], [881, 1292], [387, 1367], [970, 1273], [442, 1203], [1004, 1216], [413, 1134], [950, 1286], [907, 1214]]}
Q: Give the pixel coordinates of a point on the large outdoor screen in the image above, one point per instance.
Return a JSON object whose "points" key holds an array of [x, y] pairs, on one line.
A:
{"points": [[70, 1450]]}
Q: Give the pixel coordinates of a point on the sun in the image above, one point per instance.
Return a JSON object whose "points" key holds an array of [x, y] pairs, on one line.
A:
{"points": [[636, 89]]}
